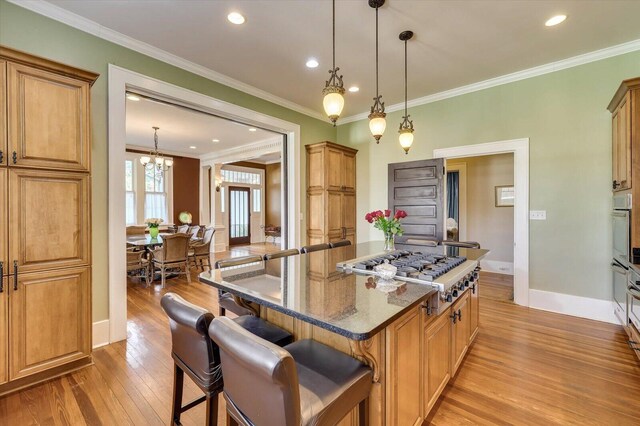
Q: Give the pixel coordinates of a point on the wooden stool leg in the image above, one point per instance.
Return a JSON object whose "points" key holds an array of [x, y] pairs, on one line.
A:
{"points": [[178, 383], [212, 410]]}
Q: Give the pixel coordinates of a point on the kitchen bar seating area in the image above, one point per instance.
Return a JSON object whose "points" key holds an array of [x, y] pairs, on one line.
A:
{"points": [[316, 222]]}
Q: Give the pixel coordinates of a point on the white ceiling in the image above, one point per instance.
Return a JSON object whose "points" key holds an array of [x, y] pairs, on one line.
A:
{"points": [[181, 128], [456, 43]]}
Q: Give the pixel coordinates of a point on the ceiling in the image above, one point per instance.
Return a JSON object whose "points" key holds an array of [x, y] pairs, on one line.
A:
{"points": [[456, 43], [181, 129]]}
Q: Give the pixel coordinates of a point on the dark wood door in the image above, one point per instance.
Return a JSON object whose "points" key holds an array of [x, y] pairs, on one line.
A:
{"points": [[239, 216], [417, 187]]}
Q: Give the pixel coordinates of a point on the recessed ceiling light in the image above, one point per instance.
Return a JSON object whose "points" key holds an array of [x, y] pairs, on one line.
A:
{"points": [[235, 18], [354, 89], [215, 140], [133, 97], [193, 147], [555, 20], [312, 63], [251, 129]]}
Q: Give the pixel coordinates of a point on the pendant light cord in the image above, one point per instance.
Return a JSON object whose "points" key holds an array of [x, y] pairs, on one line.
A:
{"points": [[334, 33], [377, 94], [405, 77]]}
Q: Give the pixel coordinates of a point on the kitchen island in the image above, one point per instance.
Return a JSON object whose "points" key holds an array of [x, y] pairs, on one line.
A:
{"points": [[413, 351]]}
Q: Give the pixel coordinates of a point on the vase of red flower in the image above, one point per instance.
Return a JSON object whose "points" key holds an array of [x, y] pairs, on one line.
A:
{"points": [[390, 226]]}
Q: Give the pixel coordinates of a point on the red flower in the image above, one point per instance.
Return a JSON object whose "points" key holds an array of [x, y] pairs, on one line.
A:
{"points": [[379, 214], [400, 214], [368, 218], [387, 213]]}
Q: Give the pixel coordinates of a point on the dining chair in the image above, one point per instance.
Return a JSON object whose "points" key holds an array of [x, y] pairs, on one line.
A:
{"points": [[225, 299], [303, 383], [315, 247], [195, 354], [193, 231], [173, 254], [280, 254], [201, 250], [182, 229], [136, 230], [138, 266]]}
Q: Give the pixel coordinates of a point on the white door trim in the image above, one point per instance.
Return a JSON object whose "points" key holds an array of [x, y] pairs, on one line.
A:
{"points": [[520, 150], [121, 80]]}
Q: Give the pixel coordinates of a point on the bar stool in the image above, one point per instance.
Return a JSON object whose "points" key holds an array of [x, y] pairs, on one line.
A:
{"points": [[281, 253], [341, 243], [304, 383], [196, 354], [315, 247], [225, 299]]}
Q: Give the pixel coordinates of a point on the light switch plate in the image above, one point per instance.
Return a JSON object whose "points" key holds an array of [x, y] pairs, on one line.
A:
{"points": [[538, 215]]}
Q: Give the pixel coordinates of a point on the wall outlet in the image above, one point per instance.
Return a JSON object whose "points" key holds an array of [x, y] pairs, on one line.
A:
{"points": [[538, 215]]}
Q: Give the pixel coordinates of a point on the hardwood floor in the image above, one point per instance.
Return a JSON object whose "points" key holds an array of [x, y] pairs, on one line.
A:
{"points": [[527, 367], [497, 286]]}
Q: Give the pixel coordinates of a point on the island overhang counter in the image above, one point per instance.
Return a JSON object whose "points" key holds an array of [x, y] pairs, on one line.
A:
{"points": [[412, 354]]}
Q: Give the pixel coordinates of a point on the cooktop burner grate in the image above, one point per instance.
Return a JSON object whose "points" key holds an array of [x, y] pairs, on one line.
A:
{"points": [[418, 265]]}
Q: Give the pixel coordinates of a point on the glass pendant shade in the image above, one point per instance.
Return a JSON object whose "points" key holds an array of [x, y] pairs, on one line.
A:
{"points": [[159, 161], [406, 140], [144, 160], [377, 126], [333, 104], [169, 163]]}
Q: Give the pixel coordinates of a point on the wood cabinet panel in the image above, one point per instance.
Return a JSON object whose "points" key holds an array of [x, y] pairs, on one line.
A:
{"points": [[49, 217], [4, 221], [315, 169], [621, 138], [4, 329], [349, 212], [349, 171], [404, 370], [437, 359], [45, 334], [460, 332], [334, 170], [49, 122], [334, 212], [3, 113], [474, 310]]}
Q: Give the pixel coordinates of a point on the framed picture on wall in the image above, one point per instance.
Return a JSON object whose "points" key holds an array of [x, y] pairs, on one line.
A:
{"points": [[505, 196]]}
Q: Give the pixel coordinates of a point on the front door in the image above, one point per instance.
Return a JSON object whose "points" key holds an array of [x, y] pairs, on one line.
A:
{"points": [[239, 216]]}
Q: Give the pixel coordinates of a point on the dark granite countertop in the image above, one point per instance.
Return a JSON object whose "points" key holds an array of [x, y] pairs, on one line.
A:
{"points": [[309, 287]]}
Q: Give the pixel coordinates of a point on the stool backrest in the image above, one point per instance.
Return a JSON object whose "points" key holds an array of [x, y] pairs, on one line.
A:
{"points": [[315, 247], [236, 261], [281, 253], [341, 243], [260, 378], [190, 341]]}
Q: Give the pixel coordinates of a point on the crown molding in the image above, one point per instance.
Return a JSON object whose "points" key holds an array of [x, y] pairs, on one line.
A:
{"points": [[244, 152], [83, 24], [608, 52]]}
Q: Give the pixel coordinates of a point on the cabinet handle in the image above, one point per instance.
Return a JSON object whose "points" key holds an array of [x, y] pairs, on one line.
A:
{"points": [[632, 345], [1, 156], [616, 184], [1, 277], [459, 315], [15, 157], [453, 317], [473, 288], [15, 275]]}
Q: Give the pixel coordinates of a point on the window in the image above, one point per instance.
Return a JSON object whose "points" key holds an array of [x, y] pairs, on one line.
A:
{"points": [[234, 176], [155, 199], [130, 193], [222, 192], [257, 200]]}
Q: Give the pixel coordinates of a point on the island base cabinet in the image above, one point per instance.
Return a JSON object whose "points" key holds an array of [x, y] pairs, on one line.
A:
{"points": [[437, 359], [474, 310], [460, 331], [404, 370], [44, 334]]}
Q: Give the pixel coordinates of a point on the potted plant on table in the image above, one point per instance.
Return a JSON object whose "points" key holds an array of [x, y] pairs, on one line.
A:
{"points": [[153, 224], [390, 226]]}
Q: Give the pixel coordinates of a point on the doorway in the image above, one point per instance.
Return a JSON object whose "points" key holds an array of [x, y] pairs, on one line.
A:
{"points": [[239, 216], [520, 150]]}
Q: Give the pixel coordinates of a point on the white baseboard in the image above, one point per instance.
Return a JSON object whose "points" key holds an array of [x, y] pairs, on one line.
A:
{"points": [[497, 266], [100, 333], [577, 306]]}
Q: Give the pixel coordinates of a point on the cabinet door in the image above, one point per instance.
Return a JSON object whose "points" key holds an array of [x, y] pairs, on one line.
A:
{"points": [[49, 218], [460, 332], [333, 158], [474, 310], [349, 213], [334, 212], [348, 171], [4, 329], [624, 143], [49, 123], [4, 222], [437, 358], [50, 317], [404, 370], [315, 168], [3, 113]]}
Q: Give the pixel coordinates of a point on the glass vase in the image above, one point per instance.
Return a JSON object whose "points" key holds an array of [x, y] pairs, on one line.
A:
{"points": [[389, 243], [154, 231]]}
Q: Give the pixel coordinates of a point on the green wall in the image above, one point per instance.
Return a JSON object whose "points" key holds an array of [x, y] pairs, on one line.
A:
{"points": [[564, 116], [27, 31]]}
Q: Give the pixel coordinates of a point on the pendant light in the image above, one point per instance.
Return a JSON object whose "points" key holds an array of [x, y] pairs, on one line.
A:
{"points": [[333, 92], [406, 127], [377, 122], [155, 159]]}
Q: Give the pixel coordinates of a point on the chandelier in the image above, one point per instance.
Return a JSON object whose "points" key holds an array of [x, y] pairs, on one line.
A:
{"points": [[406, 127], [155, 159], [333, 91], [377, 122]]}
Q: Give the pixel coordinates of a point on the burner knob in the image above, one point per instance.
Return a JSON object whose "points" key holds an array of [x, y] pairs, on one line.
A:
{"points": [[472, 278], [449, 298], [475, 275], [466, 283], [455, 293]]}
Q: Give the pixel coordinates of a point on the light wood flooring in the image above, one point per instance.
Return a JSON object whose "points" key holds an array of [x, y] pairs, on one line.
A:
{"points": [[527, 367], [497, 286]]}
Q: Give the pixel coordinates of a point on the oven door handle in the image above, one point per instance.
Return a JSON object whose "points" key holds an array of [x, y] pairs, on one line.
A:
{"points": [[633, 291], [618, 269]]}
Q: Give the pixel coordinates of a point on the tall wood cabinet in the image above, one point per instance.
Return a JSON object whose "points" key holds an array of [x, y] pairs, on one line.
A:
{"points": [[625, 128], [331, 193], [45, 213]]}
